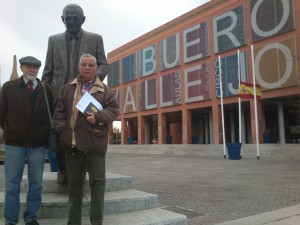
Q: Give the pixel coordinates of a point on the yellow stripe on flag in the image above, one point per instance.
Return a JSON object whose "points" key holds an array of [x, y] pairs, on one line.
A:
{"points": [[246, 90]]}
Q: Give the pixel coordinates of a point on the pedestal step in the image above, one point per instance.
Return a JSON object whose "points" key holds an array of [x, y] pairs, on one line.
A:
{"points": [[123, 205], [114, 182], [154, 216], [55, 205]]}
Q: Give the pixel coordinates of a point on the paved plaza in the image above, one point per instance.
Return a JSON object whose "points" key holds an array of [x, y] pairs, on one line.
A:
{"points": [[211, 189]]}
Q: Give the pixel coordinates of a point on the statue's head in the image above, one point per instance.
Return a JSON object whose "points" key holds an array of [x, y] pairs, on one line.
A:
{"points": [[73, 18]]}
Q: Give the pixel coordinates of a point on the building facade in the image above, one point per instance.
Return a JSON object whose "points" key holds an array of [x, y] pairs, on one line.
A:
{"points": [[179, 83]]}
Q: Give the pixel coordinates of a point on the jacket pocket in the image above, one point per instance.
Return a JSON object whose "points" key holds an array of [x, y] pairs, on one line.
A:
{"points": [[97, 130], [96, 139]]}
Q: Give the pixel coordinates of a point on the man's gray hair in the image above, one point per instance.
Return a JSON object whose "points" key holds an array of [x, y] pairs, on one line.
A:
{"points": [[87, 55]]}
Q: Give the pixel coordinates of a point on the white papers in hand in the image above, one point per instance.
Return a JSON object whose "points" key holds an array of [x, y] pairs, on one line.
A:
{"points": [[88, 102]]}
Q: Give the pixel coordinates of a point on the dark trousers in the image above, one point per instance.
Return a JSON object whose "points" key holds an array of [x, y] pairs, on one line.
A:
{"points": [[77, 163], [60, 159]]}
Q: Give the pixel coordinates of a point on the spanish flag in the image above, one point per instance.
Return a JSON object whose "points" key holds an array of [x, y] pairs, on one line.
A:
{"points": [[246, 90]]}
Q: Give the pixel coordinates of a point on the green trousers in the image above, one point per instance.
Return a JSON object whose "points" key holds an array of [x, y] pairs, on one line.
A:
{"points": [[77, 163]]}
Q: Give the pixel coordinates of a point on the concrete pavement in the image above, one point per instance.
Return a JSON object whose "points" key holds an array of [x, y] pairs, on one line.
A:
{"points": [[212, 190], [285, 216]]}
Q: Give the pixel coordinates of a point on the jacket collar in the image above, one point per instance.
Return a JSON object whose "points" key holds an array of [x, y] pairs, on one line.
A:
{"points": [[97, 86], [21, 81]]}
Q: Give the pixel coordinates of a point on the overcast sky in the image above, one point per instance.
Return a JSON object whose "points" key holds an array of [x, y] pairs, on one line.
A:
{"points": [[26, 25]]}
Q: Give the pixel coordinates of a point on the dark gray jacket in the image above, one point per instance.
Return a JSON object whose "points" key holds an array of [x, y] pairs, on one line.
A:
{"points": [[55, 70]]}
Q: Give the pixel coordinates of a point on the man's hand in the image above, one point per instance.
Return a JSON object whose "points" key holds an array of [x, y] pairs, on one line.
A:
{"points": [[90, 117]]}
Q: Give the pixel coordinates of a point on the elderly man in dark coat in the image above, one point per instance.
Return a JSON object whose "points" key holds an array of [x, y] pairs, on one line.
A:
{"points": [[24, 119]]}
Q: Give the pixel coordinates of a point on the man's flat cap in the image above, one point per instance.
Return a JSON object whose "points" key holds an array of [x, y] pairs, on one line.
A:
{"points": [[30, 60]]}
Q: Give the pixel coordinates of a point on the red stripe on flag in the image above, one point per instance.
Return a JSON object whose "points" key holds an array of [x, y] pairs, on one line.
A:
{"points": [[246, 90]]}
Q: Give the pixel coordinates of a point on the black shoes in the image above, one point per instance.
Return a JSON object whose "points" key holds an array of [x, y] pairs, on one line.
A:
{"points": [[32, 222], [62, 177]]}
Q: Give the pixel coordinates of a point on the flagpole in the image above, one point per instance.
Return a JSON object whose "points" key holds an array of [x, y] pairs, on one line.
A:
{"points": [[239, 79], [222, 107], [255, 103]]}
